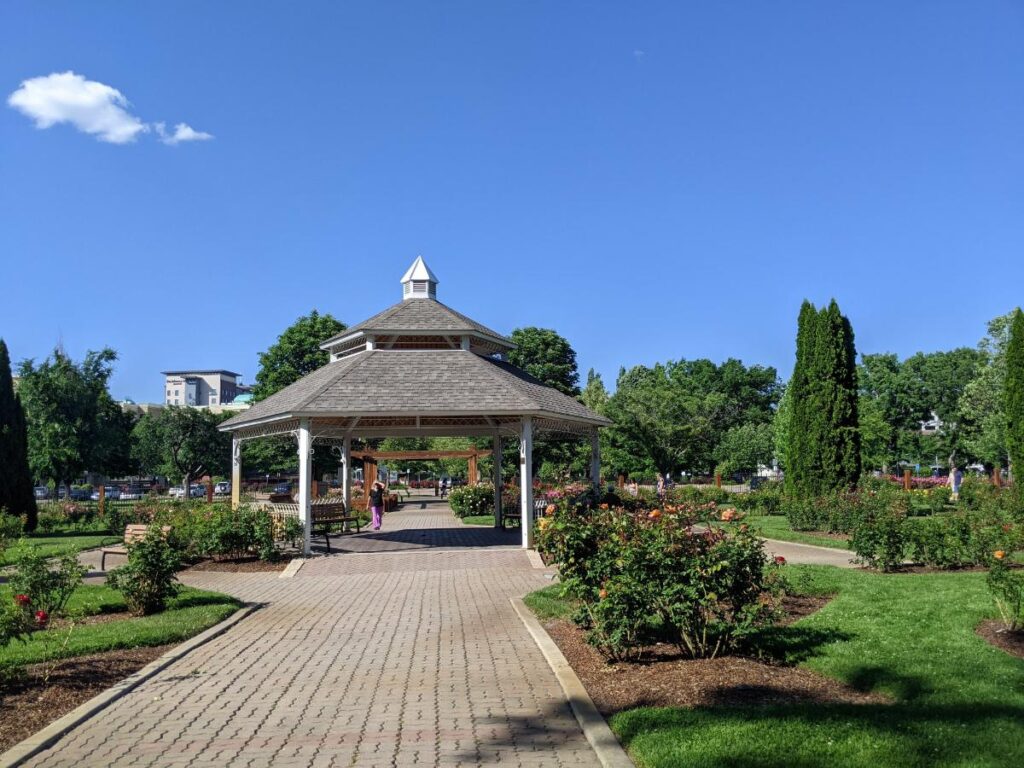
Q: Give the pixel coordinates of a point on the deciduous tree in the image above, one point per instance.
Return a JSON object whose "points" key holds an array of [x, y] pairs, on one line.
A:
{"points": [[182, 443]]}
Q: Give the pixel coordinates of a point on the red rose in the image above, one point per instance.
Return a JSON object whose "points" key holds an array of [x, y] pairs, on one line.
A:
{"points": [[780, 560], [41, 618], [22, 600]]}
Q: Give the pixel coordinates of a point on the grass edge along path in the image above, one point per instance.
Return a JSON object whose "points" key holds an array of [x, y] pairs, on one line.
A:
{"points": [[52, 544], [958, 700], [189, 613]]}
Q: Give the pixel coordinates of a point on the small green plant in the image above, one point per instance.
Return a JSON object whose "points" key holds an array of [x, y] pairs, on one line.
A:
{"points": [[17, 618], [49, 588], [1007, 587], [148, 579]]}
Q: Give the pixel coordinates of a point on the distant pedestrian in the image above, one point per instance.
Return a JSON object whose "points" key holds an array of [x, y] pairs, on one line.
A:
{"points": [[377, 503], [444, 487], [661, 486], [956, 478]]}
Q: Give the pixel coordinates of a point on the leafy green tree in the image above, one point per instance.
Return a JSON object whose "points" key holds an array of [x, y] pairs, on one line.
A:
{"points": [[548, 356], [744, 448], [824, 437], [981, 413], [182, 443], [16, 495], [594, 394], [295, 353], [68, 409], [1014, 400]]}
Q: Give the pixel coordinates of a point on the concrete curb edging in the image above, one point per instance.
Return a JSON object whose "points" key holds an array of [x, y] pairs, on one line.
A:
{"points": [[599, 735], [45, 738], [292, 568]]}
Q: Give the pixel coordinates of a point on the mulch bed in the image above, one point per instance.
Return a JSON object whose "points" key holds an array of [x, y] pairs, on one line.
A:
{"points": [[26, 705], [995, 633], [248, 565], [667, 679]]}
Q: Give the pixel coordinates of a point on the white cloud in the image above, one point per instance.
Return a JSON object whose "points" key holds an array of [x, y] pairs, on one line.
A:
{"points": [[92, 107], [182, 132]]}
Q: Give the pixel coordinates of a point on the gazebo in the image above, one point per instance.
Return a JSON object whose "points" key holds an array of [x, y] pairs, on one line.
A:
{"points": [[417, 369]]}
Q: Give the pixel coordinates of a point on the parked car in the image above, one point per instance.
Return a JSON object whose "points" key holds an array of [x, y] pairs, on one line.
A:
{"points": [[109, 492], [176, 492], [197, 491], [283, 488], [223, 488], [132, 493], [80, 494], [41, 492]]}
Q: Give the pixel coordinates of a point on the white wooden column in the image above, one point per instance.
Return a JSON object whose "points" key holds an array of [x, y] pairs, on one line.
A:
{"points": [[346, 473], [305, 475], [526, 481], [236, 472], [496, 455], [595, 459]]}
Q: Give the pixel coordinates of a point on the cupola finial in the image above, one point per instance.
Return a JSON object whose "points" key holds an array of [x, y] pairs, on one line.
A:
{"points": [[419, 282]]}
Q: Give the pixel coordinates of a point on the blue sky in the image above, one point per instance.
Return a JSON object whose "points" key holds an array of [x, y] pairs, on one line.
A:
{"points": [[653, 181]]}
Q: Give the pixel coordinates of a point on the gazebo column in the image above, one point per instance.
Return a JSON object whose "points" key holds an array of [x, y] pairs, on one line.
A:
{"points": [[305, 475], [526, 481], [595, 459], [236, 472], [496, 455], [346, 473]]}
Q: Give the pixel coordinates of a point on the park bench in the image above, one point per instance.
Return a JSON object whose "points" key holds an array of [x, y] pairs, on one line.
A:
{"points": [[132, 533], [325, 516], [515, 520]]}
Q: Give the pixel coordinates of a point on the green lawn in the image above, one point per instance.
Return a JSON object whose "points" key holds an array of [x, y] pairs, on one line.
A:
{"points": [[959, 701], [187, 615], [487, 520], [777, 527], [53, 543]]}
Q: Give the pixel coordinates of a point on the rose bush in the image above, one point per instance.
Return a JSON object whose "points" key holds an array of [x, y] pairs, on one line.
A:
{"points": [[643, 576]]}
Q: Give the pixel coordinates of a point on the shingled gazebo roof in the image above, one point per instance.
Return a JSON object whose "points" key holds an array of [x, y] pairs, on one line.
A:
{"points": [[417, 368]]}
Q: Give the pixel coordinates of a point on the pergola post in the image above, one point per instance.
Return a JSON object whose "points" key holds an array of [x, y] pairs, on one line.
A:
{"points": [[346, 472], [305, 475], [236, 472], [595, 459], [471, 471], [496, 455], [526, 481]]}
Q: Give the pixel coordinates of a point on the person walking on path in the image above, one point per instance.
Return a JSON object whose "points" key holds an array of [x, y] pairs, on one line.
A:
{"points": [[377, 503], [956, 477]]}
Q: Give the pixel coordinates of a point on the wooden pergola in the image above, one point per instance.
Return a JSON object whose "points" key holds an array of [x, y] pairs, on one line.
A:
{"points": [[417, 369], [372, 458]]}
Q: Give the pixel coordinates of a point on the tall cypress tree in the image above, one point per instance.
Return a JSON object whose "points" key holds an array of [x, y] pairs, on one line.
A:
{"points": [[824, 436], [16, 496], [1013, 401]]}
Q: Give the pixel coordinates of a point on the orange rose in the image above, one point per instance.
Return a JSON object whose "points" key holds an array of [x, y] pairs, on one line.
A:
{"points": [[604, 506], [603, 593], [654, 514], [549, 510], [999, 554], [729, 515]]}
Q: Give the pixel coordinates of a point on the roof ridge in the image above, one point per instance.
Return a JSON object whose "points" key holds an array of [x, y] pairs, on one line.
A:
{"points": [[492, 367], [333, 380]]}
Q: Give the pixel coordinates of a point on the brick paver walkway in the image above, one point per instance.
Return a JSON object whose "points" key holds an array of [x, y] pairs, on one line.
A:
{"points": [[402, 651]]}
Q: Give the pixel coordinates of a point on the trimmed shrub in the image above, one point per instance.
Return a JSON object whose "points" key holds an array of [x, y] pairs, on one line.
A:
{"points": [[644, 577], [147, 580], [880, 540], [469, 500]]}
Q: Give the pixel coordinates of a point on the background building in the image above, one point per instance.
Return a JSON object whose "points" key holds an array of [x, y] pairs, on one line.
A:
{"points": [[202, 388]]}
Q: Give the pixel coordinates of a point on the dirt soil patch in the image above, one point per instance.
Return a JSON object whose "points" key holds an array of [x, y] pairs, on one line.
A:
{"points": [[667, 679], [27, 705], [996, 633], [248, 565]]}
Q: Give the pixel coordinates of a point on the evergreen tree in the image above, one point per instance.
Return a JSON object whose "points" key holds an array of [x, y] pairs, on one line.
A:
{"points": [[16, 496], [823, 448], [1013, 397]]}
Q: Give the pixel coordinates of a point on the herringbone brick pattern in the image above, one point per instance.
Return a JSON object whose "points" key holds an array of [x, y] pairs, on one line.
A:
{"points": [[395, 658]]}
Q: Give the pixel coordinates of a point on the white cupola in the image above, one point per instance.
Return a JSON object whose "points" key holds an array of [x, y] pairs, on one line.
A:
{"points": [[419, 282]]}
